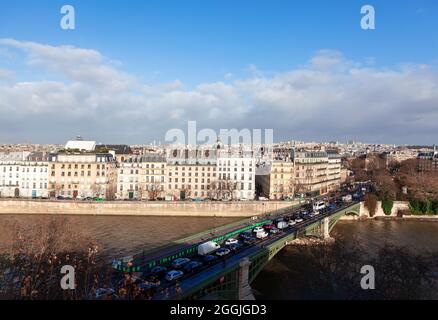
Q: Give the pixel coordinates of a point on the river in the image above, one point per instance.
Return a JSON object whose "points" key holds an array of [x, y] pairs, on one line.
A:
{"points": [[277, 281]]}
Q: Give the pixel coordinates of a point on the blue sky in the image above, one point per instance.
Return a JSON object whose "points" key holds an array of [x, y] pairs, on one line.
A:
{"points": [[202, 42]]}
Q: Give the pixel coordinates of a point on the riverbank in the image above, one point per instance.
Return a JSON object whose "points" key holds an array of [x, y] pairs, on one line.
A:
{"points": [[398, 212], [391, 218], [142, 208]]}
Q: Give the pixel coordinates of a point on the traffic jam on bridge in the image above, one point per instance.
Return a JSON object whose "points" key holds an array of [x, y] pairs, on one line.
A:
{"points": [[153, 277]]}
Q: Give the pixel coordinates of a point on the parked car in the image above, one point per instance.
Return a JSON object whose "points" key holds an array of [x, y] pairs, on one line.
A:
{"points": [[209, 258], [180, 262], [174, 274], [231, 241], [258, 229], [59, 198], [234, 246], [292, 222], [268, 226], [223, 252], [274, 231], [158, 271], [298, 220], [192, 266]]}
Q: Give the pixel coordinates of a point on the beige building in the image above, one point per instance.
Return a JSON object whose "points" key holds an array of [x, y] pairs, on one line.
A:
{"points": [[282, 182], [190, 180], [142, 177], [316, 172], [79, 175]]}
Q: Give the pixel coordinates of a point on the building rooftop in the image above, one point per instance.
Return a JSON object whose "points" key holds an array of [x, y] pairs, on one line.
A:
{"points": [[118, 148], [81, 145]]}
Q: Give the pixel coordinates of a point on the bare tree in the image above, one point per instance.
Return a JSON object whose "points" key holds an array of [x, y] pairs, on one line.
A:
{"points": [[33, 252], [154, 190]]}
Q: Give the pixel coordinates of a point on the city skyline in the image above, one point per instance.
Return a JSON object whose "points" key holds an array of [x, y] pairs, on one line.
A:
{"points": [[222, 68]]}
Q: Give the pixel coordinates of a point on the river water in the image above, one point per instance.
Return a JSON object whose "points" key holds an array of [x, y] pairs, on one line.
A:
{"points": [[277, 281], [120, 236]]}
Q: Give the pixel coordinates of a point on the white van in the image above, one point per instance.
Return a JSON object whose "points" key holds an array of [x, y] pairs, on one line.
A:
{"points": [[207, 247], [317, 206], [261, 235], [282, 225]]}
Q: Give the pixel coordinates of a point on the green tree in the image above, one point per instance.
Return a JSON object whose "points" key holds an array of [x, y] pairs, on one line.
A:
{"points": [[387, 205]]}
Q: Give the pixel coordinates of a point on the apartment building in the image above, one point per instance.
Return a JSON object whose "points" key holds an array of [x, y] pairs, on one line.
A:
{"points": [[333, 170], [190, 181], [10, 178], [34, 178], [142, 177], [82, 174], [236, 177], [316, 172], [282, 182], [428, 161], [23, 174]]}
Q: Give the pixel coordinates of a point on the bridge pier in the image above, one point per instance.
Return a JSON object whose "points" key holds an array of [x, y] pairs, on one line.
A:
{"points": [[326, 228], [245, 291]]}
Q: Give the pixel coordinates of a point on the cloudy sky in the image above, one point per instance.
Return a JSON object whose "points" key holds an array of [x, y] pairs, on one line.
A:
{"points": [[131, 71]]}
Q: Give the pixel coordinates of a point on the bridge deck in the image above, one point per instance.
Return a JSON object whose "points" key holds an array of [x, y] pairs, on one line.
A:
{"points": [[207, 276], [147, 259]]}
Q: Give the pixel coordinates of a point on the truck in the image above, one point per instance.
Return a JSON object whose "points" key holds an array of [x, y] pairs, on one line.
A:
{"points": [[207, 248], [282, 225]]}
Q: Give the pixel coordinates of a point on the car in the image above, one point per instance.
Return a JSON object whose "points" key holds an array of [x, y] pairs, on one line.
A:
{"points": [[146, 285], [59, 198], [173, 275], [262, 235], [292, 222], [245, 235], [180, 262], [268, 226], [249, 241], [192, 266], [223, 252], [274, 231], [315, 213], [231, 241], [209, 258], [104, 293], [331, 206], [298, 220], [317, 206], [258, 229], [158, 271], [234, 246]]}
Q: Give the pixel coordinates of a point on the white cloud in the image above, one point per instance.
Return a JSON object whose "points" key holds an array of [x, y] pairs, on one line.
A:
{"points": [[330, 98]]}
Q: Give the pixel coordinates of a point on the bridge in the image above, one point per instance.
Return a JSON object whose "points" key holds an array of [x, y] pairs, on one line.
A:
{"points": [[231, 278], [233, 281]]}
